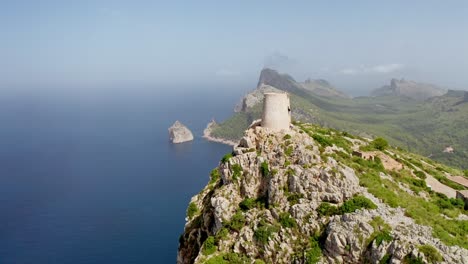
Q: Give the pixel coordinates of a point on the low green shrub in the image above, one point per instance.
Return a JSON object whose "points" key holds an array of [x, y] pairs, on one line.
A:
{"points": [[419, 174], [432, 254], [326, 209], [209, 246], [286, 220], [293, 198], [236, 171], [263, 233], [379, 144], [226, 158], [313, 254], [237, 222], [264, 169], [192, 210], [287, 136], [323, 141], [357, 202], [214, 175]]}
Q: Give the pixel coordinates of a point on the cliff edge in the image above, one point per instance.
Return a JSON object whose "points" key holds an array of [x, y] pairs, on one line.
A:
{"points": [[313, 196]]}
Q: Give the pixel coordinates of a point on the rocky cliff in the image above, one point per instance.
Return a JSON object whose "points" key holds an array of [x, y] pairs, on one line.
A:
{"points": [[178, 133], [411, 89], [302, 197]]}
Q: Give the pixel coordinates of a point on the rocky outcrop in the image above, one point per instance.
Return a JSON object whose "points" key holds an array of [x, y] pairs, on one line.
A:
{"points": [[287, 83], [410, 89], [178, 133], [255, 97], [271, 200]]}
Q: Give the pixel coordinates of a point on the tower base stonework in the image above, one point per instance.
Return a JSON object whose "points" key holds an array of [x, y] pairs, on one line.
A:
{"points": [[276, 111]]}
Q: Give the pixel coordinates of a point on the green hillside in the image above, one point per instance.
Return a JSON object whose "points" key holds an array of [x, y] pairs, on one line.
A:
{"points": [[426, 127]]}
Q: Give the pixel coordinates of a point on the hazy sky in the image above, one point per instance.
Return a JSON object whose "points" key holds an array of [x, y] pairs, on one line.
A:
{"points": [[353, 44]]}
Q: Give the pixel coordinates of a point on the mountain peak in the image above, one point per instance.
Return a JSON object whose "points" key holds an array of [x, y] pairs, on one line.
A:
{"points": [[411, 89]]}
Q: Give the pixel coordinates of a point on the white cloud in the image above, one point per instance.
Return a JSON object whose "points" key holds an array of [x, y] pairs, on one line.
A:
{"points": [[377, 69], [226, 73]]}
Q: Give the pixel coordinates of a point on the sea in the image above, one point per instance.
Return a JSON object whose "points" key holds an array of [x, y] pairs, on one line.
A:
{"points": [[91, 177]]}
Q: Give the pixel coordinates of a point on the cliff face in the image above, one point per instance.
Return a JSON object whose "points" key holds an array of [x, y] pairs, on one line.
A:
{"points": [[292, 198], [411, 89]]}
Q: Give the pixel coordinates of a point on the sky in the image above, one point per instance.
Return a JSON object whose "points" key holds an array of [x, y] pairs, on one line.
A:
{"points": [[356, 45]]}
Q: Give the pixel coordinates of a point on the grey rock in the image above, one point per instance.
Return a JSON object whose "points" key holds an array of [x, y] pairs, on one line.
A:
{"points": [[178, 133]]}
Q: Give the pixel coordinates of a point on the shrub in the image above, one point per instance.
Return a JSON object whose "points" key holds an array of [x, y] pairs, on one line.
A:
{"points": [[247, 204], [410, 259], [264, 170], [209, 246], [228, 258], [226, 158], [221, 235], [236, 171], [385, 259], [326, 209], [286, 220], [381, 236], [323, 141], [379, 143], [420, 174], [465, 172], [431, 254], [214, 175], [192, 210], [355, 203], [237, 222], [287, 136], [294, 198], [263, 233], [289, 150], [314, 253]]}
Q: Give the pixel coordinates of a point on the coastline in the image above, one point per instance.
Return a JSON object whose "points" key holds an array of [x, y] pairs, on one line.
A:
{"points": [[207, 136]]}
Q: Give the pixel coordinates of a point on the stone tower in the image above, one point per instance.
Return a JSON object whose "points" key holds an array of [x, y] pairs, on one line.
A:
{"points": [[276, 111]]}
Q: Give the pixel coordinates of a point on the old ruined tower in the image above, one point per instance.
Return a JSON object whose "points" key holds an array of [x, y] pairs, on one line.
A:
{"points": [[276, 111]]}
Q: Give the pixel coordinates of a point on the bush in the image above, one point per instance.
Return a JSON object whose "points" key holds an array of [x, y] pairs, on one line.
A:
{"points": [[465, 172], [286, 220], [381, 236], [209, 246], [236, 171], [410, 259], [264, 170], [237, 222], [226, 158], [247, 204], [192, 210], [228, 258], [314, 253], [214, 175], [326, 209], [287, 136], [263, 233], [431, 254], [323, 141], [294, 198], [355, 203], [420, 174], [385, 259], [379, 143]]}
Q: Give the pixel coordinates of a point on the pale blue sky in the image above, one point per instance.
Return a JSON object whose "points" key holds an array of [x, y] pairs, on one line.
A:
{"points": [[353, 44]]}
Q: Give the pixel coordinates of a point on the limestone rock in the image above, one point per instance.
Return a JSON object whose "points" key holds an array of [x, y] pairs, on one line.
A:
{"points": [[178, 133]]}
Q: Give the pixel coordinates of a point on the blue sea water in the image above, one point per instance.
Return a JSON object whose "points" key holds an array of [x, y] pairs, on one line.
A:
{"points": [[92, 178]]}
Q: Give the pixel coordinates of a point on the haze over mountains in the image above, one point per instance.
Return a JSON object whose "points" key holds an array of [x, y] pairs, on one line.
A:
{"points": [[419, 117]]}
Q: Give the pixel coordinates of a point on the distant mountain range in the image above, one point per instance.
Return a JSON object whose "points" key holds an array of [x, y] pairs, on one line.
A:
{"points": [[415, 116], [411, 89]]}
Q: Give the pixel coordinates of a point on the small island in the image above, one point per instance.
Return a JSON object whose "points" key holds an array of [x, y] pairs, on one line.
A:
{"points": [[178, 133]]}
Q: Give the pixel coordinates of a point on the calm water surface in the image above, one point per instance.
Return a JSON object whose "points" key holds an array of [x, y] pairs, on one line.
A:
{"points": [[92, 178]]}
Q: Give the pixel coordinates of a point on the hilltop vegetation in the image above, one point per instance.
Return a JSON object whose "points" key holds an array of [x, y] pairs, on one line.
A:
{"points": [[425, 127], [320, 195]]}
